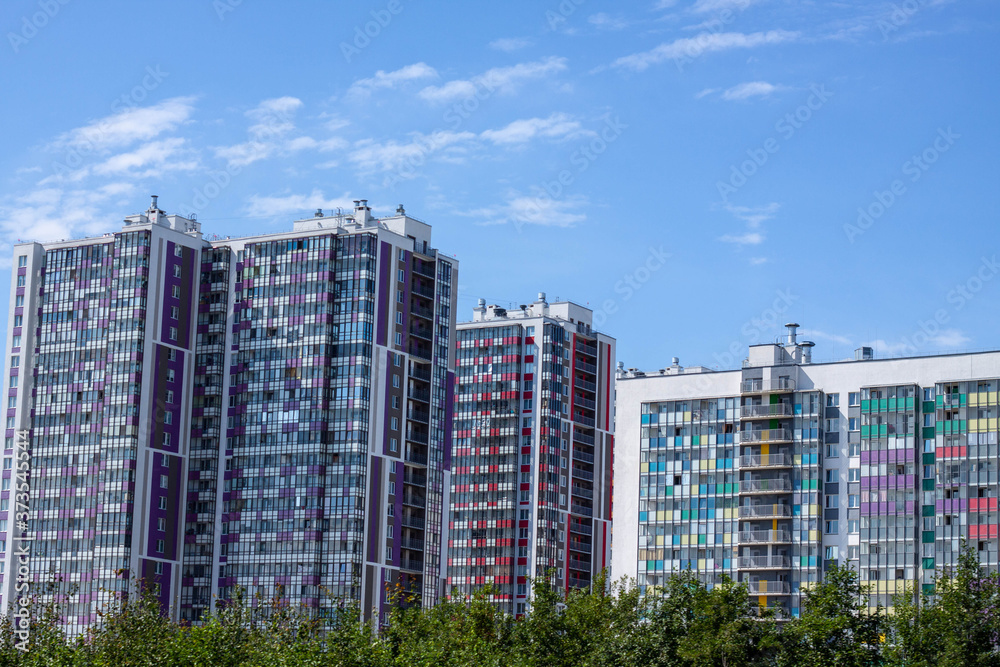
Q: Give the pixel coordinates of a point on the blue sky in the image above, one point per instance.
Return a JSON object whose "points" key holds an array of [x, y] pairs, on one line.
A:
{"points": [[698, 172]]}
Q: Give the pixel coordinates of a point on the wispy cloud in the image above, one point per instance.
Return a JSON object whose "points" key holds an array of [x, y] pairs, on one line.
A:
{"points": [[946, 339], [745, 91], [498, 79], [369, 155], [362, 88], [124, 128], [510, 44], [703, 43], [705, 6], [295, 204], [754, 215], [556, 126], [757, 261], [605, 21], [750, 238], [153, 159], [823, 335]]}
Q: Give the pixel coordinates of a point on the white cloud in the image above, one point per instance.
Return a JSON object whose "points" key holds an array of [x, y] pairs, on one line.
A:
{"points": [[157, 157], [133, 124], [362, 88], [703, 93], [749, 89], [52, 213], [296, 204], [664, 4], [498, 79], [703, 6], [692, 47], [370, 155], [947, 339], [556, 126], [542, 210], [822, 335], [754, 215], [510, 44], [750, 238], [757, 261], [605, 21]]}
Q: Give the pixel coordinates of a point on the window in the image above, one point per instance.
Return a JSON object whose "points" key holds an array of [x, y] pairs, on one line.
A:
{"points": [[395, 424], [20, 281], [832, 400], [170, 375], [175, 312], [832, 425], [12, 401], [393, 445], [19, 300], [929, 393], [163, 502], [395, 402], [831, 475], [854, 399], [832, 502], [832, 451], [175, 292], [395, 381], [399, 317], [159, 546], [158, 568], [178, 250], [177, 270], [166, 439], [16, 341], [168, 418], [22, 260], [169, 396], [853, 500], [392, 488], [390, 510], [853, 424], [397, 359], [854, 475], [7, 462], [15, 361], [399, 338], [852, 526], [854, 449], [832, 527], [18, 320], [6, 484], [161, 524], [164, 481], [831, 553], [165, 460], [399, 297], [171, 354], [13, 381], [402, 275]]}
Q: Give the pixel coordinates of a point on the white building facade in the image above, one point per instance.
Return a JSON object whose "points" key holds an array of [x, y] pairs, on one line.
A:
{"points": [[771, 473]]}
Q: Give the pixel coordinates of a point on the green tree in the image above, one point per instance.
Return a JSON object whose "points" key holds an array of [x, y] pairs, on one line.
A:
{"points": [[835, 627], [727, 629]]}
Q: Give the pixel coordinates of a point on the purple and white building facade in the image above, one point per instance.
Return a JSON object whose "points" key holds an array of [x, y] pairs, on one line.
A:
{"points": [[270, 413]]}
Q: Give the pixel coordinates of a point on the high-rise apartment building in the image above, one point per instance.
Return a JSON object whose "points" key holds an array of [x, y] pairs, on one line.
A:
{"points": [[269, 412], [534, 445], [770, 473]]}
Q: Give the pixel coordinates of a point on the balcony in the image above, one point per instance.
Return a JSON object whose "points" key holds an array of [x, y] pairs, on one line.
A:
{"points": [[582, 456], [766, 411], [421, 269], [585, 420], [766, 511], [584, 402], [421, 395], [581, 365], [413, 456], [581, 546], [413, 545], [422, 416], [583, 474], [769, 588], [766, 461], [586, 347], [765, 562], [422, 332], [581, 528], [585, 438], [419, 372], [414, 500], [581, 510], [777, 485], [585, 385], [579, 564], [775, 386], [420, 311], [414, 479], [417, 436], [411, 564], [765, 536], [766, 435], [416, 522], [422, 290], [582, 492]]}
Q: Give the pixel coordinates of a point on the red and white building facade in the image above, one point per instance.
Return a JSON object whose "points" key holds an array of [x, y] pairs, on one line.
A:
{"points": [[531, 470]]}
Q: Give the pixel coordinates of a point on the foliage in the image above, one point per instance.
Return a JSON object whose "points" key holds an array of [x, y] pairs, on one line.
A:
{"points": [[684, 624]]}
